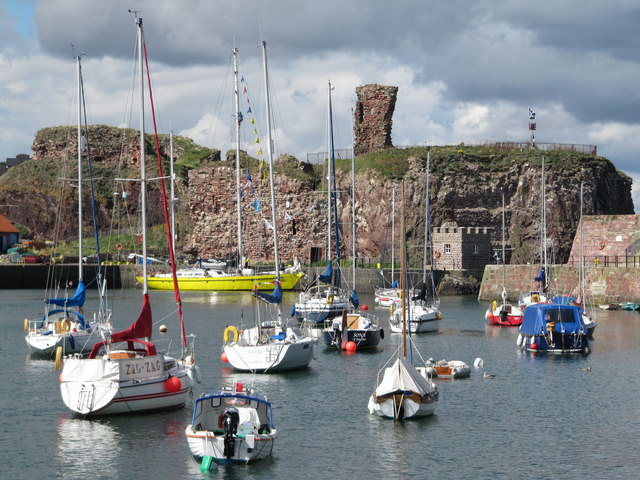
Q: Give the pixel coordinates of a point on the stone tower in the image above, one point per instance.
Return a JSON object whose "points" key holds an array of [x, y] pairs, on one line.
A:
{"points": [[373, 117]]}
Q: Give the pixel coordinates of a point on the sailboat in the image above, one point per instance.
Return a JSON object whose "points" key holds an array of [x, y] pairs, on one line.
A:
{"points": [[389, 295], [362, 329], [423, 315], [324, 298], [127, 373], [270, 345], [242, 278], [505, 314], [402, 390], [580, 300], [540, 295], [64, 328]]}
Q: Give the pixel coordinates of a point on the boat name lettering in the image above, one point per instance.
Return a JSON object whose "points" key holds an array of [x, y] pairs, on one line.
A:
{"points": [[140, 368]]}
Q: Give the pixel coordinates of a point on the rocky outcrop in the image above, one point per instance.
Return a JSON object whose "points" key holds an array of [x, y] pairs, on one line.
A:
{"points": [[466, 186], [373, 117]]}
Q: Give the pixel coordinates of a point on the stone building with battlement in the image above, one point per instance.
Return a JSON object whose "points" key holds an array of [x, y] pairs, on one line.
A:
{"points": [[461, 248]]}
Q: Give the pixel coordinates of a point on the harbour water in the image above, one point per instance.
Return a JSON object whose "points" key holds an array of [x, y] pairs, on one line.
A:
{"points": [[569, 417]]}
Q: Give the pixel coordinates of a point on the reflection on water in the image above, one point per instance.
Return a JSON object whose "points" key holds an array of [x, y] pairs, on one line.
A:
{"points": [[563, 415], [80, 444]]}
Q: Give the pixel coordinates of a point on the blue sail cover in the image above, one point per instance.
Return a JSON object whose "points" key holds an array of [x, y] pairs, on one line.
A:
{"points": [[540, 276], [327, 276], [354, 299], [567, 319], [76, 301], [273, 297]]}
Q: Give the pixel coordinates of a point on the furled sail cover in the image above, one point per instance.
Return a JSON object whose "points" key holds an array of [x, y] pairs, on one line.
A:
{"points": [[327, 276], [403, 377], [273, 297], [141, 328], [76, 301]]}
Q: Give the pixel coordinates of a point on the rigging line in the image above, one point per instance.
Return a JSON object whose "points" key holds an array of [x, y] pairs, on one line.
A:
{"points": [[176, 288], [96, 229]]}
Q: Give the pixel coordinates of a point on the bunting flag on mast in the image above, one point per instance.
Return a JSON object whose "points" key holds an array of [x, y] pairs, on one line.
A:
{"points": [[257, 140], [259, 151]]}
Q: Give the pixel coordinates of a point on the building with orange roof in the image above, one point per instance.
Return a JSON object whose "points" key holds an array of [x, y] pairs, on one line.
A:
{"points": [[9, 234]]}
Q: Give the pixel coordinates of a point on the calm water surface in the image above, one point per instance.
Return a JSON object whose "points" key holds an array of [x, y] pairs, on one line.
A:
{"points": [[540, 417]]}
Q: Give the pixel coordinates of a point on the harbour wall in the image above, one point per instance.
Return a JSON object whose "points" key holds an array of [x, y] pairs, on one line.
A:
{"points": [[18, 276], [602, 284], [13, 276]]}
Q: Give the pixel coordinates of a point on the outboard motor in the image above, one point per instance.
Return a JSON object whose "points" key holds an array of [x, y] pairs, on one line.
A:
{"points": [[230, 420]]}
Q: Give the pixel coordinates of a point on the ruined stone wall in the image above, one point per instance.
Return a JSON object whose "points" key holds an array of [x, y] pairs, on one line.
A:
{"points": [[374, 117]]}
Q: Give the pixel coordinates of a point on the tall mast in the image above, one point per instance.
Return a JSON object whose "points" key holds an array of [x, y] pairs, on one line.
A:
{"points": [[270, 157], [329, 171], [353, 207], [337, 277], [143, 171], [393, 232], [544, 256], [581, 276], [426, 250], [174, 234], [240, 259], [504, 258], [403, 282], [79, 80]]}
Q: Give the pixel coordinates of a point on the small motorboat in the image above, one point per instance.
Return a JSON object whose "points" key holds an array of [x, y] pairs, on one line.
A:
{"points": [[448, 368], [233, 425], [609, 306], [554, 328], [631, 306]]}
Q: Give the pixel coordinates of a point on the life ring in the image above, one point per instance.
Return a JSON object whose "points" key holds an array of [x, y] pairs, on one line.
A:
{"points": [[118, 246], [227, 331], [58, 362], [535, 298], [601, 245], [436, 254], [65, 325], [329, 299]]}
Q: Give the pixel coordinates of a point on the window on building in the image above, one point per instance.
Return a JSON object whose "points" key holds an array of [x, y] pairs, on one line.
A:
{"points": [[475, 248], [447, 248]]}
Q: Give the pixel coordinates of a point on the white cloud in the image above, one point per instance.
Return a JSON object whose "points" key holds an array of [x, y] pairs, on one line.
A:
{"points": [[465, 72]]}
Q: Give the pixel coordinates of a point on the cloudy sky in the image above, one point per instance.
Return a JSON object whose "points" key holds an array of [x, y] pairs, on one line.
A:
{"points": [[467, 71]]}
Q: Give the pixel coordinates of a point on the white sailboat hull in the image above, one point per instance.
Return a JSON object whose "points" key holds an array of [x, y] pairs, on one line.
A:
{"points": [[271, 357], [44, 341], [411, 409], [404, 392], [104, 386], [422, 319]]}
